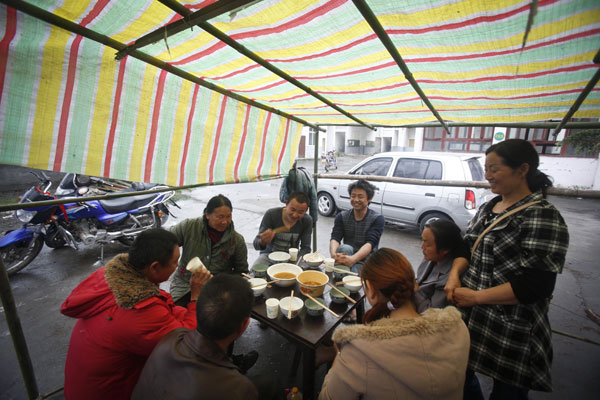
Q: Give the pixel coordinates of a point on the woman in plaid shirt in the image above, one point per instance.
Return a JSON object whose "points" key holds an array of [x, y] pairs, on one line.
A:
{"points": [[505, 290]]}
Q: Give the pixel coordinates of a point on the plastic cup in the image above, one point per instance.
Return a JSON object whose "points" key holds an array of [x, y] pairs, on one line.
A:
{"points": [[272, 308], [293, 254], [329, 264]]}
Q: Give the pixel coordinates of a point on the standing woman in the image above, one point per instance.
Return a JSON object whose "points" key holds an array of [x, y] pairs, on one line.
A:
{"points": [[507, 285], [214, 240]]}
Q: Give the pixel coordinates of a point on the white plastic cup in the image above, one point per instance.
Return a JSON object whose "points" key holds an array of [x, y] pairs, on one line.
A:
{"points": [[329, 264], [293, 254], [272, 308]]}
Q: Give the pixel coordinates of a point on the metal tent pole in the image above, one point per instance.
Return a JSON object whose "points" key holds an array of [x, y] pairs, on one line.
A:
{"points": [[16, 334], [316, 181]]}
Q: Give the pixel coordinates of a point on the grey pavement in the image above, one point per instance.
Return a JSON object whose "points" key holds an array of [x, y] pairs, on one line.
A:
{"points": [[41, 287]]}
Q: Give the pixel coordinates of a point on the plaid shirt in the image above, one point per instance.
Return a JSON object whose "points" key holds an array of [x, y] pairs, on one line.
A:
{"points": [[512, 343]]}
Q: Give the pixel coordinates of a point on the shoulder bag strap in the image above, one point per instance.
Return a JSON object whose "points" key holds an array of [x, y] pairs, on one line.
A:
{"points": [[508, 214]]}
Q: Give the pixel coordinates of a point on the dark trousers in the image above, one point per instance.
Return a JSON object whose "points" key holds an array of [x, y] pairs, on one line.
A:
{"points": [[268, 387], [500, 390]]}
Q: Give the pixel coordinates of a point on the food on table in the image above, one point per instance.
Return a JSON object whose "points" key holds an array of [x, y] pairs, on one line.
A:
{"points": [[284, 275]]}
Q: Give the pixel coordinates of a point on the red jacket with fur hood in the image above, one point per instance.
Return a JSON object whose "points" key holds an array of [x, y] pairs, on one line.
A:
{"points": [[122, 316]]}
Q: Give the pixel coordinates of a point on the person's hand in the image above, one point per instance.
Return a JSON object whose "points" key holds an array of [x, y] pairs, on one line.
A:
{"points": [[197, 282], [344, 259], [465, 297], [266, 237], [452, 283]]}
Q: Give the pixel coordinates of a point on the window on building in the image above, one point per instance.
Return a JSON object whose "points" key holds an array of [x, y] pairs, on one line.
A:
{"points": [[463, 132], [418, 169], [377, 166], [456, 146], [353, 143], [430, 145], [489, 132]]}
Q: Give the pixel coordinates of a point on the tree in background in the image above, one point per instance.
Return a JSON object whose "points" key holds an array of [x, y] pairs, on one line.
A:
{"points": [[586, 142]]}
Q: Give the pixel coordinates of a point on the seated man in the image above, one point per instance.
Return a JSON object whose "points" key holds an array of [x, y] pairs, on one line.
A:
{"points": [[122, 313], [285, 227], [360, 228], [193, 364]]}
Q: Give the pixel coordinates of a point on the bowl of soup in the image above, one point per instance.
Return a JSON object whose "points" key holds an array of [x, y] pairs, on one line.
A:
{"points": [[312, 282], [285, 273]]}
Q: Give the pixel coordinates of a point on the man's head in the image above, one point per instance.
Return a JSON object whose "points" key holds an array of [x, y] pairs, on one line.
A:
{"points": [[296, 206], [361, 193], [155, 253], [224, 306]]}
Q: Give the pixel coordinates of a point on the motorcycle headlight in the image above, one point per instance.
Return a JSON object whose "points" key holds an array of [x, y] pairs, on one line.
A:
{"points": [[24, 216]]}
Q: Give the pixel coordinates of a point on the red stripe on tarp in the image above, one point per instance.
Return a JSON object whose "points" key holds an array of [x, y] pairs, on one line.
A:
{"points": [[115, 117], [229, 75], [282, 152], [154, 128], [396, 85], [269, 86], [289, 98], [242, 142], [70, 84], [9, 35], [216, 140], [188, 135], [262, 147], [301, 20]]}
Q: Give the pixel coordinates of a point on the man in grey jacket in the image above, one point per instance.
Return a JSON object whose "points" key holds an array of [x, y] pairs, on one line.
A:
{"points": [[188, 364]]}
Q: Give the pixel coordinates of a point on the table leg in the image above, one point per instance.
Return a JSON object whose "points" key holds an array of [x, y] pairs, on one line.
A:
{"points": [[308, 373], [296, 361], [360, 311]]}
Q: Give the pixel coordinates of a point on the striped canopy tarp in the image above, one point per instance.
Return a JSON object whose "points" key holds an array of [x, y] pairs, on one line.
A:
{"points": [[67, 104]]}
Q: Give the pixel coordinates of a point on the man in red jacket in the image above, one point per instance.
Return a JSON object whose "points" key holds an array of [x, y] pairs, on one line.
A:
{"points": [[122, 315]]}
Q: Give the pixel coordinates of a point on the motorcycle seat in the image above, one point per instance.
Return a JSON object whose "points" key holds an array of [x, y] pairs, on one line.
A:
{"points": [[139, 186], [122, 204]]}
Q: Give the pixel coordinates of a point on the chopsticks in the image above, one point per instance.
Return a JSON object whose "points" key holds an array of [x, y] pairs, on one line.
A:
{"points": [[342, 293], [343, 271], [299, 259], [291, 305], [266, 283], [246, 276], [321, 304], [348, 281]]}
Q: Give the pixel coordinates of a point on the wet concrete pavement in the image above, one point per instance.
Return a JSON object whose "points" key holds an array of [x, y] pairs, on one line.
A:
{"points": [[41, 287]]}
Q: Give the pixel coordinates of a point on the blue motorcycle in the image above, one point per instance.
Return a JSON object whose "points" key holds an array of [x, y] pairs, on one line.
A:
{"points": [[83, 221]]}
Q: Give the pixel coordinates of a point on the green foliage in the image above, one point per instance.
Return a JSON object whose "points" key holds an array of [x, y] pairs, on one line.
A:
{"points": [[586, 141]]}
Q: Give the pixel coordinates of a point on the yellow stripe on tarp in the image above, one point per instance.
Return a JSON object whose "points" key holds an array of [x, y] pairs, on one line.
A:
{"points": [[276, 149], [142, 124], [447, 12], [47, 114], [183, 108], [234, 146], [295, 145], [101, 115], [258, 130], [154, 17], [209, 135]]}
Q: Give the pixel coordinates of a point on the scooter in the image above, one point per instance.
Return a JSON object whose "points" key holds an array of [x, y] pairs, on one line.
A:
{"points": [[83, 221], [330, 161]]}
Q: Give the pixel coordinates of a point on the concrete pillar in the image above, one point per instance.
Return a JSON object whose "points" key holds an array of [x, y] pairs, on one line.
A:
{"points": [[596, 184], [419, 132]]}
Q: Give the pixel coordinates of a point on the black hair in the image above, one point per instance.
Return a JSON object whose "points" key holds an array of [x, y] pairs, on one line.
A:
{"points": [[216, 202], [152, 245], [516, 152], [300, 198], [447, 237], [364, 185], [224, 303]]}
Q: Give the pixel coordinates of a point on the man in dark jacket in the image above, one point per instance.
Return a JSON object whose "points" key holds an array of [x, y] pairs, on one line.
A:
{"points": [[190, 364]]}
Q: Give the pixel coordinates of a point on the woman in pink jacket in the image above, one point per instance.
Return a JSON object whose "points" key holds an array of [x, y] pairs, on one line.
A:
{"points": [[122, 314], [398, 353]]}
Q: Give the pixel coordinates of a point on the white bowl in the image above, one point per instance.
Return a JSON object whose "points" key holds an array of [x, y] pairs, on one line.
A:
{"points": [[284, 267], [313, 259], [284, 306], [352, 283], [258, 290], [279, 257]]}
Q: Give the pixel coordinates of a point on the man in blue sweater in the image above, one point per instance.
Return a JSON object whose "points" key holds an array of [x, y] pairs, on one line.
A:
{"points": [[360, 228]]}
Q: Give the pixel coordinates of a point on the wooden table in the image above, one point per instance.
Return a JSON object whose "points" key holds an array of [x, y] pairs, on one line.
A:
{"points": [[306, 331]]}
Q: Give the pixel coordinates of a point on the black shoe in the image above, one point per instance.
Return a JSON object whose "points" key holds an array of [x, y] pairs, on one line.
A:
{"points": [[245, 361]]}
